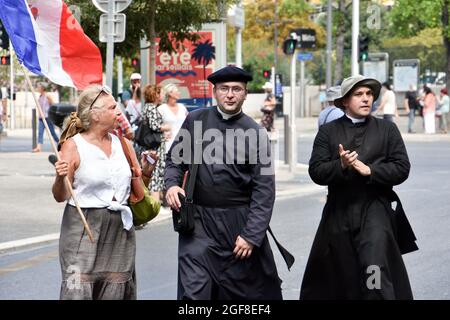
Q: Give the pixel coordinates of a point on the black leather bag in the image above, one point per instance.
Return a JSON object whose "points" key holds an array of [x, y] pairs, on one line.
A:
{"points": [[183, 220], [146, 137]]}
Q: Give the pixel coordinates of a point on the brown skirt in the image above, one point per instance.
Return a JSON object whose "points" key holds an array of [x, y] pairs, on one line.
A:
{"points": [[103, 270]]}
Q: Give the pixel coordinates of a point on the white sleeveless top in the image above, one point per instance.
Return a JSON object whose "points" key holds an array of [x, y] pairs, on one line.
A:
{"points": [[99, 179]]}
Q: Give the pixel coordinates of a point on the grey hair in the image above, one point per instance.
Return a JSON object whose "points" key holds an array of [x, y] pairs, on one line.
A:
{"points": [[168, 89], [84, 102]]}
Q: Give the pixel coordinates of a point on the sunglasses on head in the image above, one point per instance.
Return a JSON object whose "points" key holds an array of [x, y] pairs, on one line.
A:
{"points": [[105, 89]]}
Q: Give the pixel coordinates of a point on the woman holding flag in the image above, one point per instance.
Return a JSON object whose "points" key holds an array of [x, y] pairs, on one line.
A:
{"points": [[93, 160]]}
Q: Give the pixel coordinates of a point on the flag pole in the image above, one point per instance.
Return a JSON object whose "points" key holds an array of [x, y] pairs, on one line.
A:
{"points": [[55, 150]]}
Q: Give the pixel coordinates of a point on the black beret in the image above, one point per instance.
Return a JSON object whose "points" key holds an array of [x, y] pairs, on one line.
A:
{"points": [[230, 73]]}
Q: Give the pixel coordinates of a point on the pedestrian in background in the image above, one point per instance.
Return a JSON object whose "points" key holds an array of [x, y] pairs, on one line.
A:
{"points": [[388, 105], [360, 236], [134, 107], [331, 112], [429, 110], [228, 255], [443, 110], [135, 82], [268, 108], [412, 105], [45, 101], [173, 114], [93, 160], [153, 97]]}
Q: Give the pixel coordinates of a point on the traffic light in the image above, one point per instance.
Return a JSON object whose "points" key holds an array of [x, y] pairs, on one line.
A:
{"points": [[136, 64], [4, 39], [266, 74], [289, 46], [5, 60], [363, 48]]}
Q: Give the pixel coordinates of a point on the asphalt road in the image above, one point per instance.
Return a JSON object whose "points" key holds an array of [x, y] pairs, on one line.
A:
{"points": [[35, 274]]}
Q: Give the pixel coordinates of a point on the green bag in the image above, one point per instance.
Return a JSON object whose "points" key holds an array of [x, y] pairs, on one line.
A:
{"points": [[143, 206], [146, 209]]}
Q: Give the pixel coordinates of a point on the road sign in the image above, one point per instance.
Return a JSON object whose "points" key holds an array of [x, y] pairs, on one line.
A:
{"points": [[119, 20], [119, 5], [306, 38], [377, 66], [304, 56], [406, 73]]}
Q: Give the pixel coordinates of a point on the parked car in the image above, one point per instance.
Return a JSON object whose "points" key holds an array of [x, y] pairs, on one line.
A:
{"points": [[59, 111]]}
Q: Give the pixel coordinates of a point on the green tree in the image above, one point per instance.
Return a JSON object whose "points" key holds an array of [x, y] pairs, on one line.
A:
{"points": [[171, 21], [409, 18]]}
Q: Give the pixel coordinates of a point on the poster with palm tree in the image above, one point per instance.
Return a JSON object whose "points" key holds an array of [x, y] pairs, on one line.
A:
{"points": [[204, 53]]}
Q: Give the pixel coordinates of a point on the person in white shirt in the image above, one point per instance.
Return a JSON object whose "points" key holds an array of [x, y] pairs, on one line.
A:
{"points": [[93, 160], [388, 104], [173, 114]]}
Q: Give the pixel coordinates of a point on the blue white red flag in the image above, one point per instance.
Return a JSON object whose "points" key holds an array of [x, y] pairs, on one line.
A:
{"points": [[50, 42]]}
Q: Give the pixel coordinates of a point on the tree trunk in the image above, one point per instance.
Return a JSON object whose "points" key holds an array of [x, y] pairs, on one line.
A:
{"points": [[340, 42], [445, 34], [152, 40]]}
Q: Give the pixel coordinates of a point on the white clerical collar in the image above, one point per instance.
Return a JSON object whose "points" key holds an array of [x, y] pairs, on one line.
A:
{"points": [[355, 120], [227, 116]]}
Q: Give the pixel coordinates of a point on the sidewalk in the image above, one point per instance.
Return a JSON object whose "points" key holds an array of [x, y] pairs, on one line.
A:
{"points": [[30, 216]]}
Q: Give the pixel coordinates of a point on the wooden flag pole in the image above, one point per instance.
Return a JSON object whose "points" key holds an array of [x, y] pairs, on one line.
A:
{"points": [[55, 150]]}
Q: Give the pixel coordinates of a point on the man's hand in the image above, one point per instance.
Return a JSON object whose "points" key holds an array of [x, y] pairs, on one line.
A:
{"points": [[172, 197], [347, 157], [242, 248], [360, 167]]}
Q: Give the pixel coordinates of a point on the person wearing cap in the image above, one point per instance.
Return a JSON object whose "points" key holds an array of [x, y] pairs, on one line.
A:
{"points": [[331, 112], [268, 108], [363, 232], [132, 92], [228, 255]]}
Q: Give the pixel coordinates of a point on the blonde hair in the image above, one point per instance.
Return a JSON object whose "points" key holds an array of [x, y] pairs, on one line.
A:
{"points": [[80, 120]]}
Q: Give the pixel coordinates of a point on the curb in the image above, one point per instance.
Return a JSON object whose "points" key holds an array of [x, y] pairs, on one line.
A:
{"points": [[28, 242]]}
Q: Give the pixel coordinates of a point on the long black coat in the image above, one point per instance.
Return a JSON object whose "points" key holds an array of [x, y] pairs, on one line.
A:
{"points": [[207, 268], [359, 233]]}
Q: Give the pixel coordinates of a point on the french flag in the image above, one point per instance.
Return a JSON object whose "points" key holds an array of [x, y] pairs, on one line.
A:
{"points": [[50, 42]]}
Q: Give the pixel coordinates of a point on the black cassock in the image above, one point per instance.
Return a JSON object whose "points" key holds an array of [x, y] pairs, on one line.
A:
{"points": [[207, 268], [356, 253]]}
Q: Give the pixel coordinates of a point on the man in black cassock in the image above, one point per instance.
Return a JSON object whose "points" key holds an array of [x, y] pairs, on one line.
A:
{"points": [[357, 251], [228, 255]]}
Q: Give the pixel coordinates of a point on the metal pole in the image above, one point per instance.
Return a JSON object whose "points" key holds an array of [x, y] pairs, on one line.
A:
{"points": [[239, 47], [119, 76], [292, 118], [12, 110], [355, 33], [145, 63], [329, 42], [33, 128], [302, 89], [275, 36], [110, 45]]}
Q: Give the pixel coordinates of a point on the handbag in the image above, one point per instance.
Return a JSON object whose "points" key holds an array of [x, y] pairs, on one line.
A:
{"points": [[143, 206], [146, 137], [183, 220]]}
